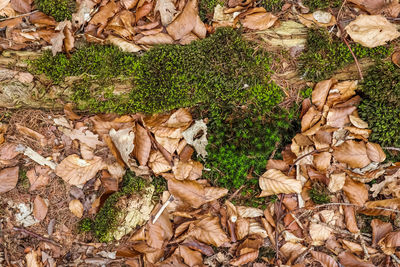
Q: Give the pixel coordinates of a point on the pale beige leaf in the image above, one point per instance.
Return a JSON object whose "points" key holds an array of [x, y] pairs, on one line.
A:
{"points": [[322, 160], [4, 3], [190, 170], [319, 233], [123, 44], [155, 39], [190, 257], [324, 259], [40, 208], [310, 20], [356, 247], [320, 92], [372, 30], [167, 10], [33, 259], [379, 230], [260, 20], [358, 122], [249, 212], [256, 227], [170, 144], [356, 192], [352, 153], [242, 228], [75, 170], [339, 117], [214, 193], [76, 207], [8, 179], [38, 177], [375, 152], [208, 230], [275, 182], [158, 163], [123, 140], [199, 143], [85, 136], [128, 4], [349, 260], [142, 145]]}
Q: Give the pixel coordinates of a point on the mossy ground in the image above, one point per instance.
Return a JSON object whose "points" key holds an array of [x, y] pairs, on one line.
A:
{"points": [[325, 54], [322, 4], [59, 9]]}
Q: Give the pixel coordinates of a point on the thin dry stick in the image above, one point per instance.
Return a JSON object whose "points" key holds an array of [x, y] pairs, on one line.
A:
{"points": [[21, 15], [236, 192], [163, 207], [349, 204], [277, 233], [364, 247], [42, 238], [391, 148], [395, 258]]}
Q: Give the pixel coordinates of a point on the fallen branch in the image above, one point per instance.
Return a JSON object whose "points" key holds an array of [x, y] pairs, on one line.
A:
{"points": [[42, 238], [21, 15]]}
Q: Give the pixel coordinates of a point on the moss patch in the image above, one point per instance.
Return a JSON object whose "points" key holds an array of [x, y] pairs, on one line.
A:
{"points": [[325, 54], [273, 5], [59, 9], [322, 4], [319, 194]]}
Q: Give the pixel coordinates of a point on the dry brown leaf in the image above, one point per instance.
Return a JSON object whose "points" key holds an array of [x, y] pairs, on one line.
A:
{"points": [[339, 117], [208, 230], [123, 44], [292, 251], [158, 163], [357, 122], [142, 145], [277, 164], [370, 206], [245, 258], [190, 192], [76, 171], [389, 243], [22, 6], [42, 19], [144, 10], [319, 233], [40, 208], [375, 152], [76, 207], [356, 192], [396, 58], [104, 14], [371, 6], [324, 259], [311, 117], [249, 212], [313, 19], [190, 170], [167, 10], [190, 257], [84, 136], [320, 92], [260, 20], [372, 30], [38, 177], [188, 20], [71, 115], [33, 259], [275, 182], [322, 160], [160, 231], [352, 153], [8, 179], [155, 39], [198, 246], [129, 4], [242, 228], [31, 133], [349, 260], [379, 230], [350, 218], [214, 193]]}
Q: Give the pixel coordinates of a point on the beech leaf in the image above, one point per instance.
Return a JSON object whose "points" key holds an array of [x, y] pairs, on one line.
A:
{"points": [[375, 152], [40, 208], [352, 153], [379, 230], [208, 230], [275, 182], [324, 259], [356, 192], [167, 10], [8, 179], [76, 207]]}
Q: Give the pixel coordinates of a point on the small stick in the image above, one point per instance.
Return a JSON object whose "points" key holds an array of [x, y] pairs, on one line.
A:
{"points": [[395, 258], [163, 207], [42, 238], [391, 148], [236, 193], [364, 247], [277, 233], [21, 15]]}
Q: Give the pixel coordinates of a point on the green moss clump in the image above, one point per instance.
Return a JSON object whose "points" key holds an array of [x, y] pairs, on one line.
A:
{"points": [[319, 194], [324, 55], [109, 215], [322, 4], [59, 9], [23, 181], [85, 225], [273, 5]]}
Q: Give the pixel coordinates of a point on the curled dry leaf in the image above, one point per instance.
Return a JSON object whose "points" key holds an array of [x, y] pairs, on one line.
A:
{"points": [[275, 182], [352, 153], [160, 231], [123, 140], [76, 207], [154, 39], [123, 44], [339, 117], [167, 10], [356, 192], [350, 219], [22, 6], [142, 145], [372, 30], [292, 251], [208, 230], [245, 258], [324, 259], [85, 136], [358, 122], [40, 208], [31, 133], [311, 117], [190, 257], [38, 177], [258, 19], [320, 92], [379, 230], [375, 207], [8, 179], [371, 6], [375, 152], [356, 248], [75, 170], [349, 260]]}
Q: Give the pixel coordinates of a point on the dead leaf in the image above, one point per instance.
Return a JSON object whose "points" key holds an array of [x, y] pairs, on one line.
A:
{"points": [[324, 259], [158, 163], [22, 6], [370, 206], [311, 117], [76, 171], [38, 177], [31, 133], [372, 30], [277, 164], [208, 230], [339, 117], [167, 11], [389, 243], [259, 19], [123, 44], [292, 251], [350, 219], [155, 39], [356, 192], [379, 230], [40, 208], [371, 6], [357, 122], [33, 259], [349, 260], [129, 4], [319, 19], [275, 182], [375, 152], [142, 145], [76, 207], [352, 153], [190, 257], [71, 115], [123, 140], [84, 136], [144, 10], [322, 160], [199, 143], [245, 258], [8, 179], [104, 14]]}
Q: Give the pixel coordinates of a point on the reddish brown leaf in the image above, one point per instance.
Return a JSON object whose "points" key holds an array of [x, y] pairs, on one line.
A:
{"points": [[350, 218], [379, 230], [8, 179], [142, 145], [245, 258], [352, 153], [22, 6], [356, 192], [39, 208], [349, 260], [41, 18], [144, 10], [324, 259], [375, 207], [371, 6], [198, 246], [389, 243], [375, 152]]}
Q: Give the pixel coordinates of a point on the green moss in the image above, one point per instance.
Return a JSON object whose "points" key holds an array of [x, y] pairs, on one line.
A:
{"points": [[272, 5], [59, 9], [206, 8], [324, 55], [85, 225], [23, 181], [108, 217], [319, 194], [365, 221], [322, 4]]}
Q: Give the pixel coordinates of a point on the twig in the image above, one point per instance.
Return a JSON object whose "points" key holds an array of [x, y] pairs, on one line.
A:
{"points": [[349, 204], [236, 192], [305, 155], [391, 148], [395, 258], [163, 207], [21, 15], [364, 247], [275, 149], [42, 238], [277, 233]]}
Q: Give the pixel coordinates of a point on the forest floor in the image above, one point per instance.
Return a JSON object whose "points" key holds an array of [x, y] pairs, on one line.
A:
{"points": [[199, 133]]}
